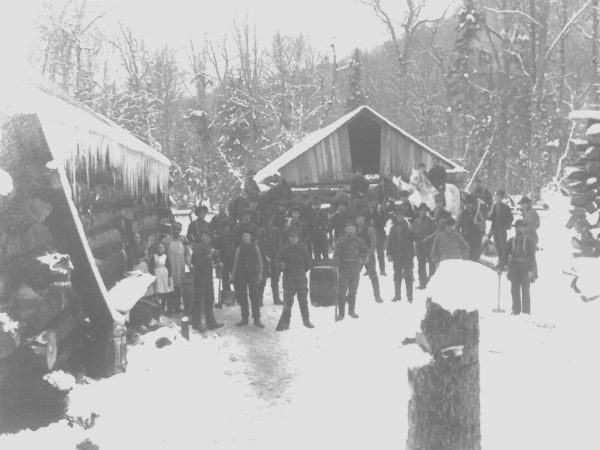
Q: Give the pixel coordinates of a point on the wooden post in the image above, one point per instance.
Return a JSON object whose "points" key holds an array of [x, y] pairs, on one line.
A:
{"points": [[444, 411]]}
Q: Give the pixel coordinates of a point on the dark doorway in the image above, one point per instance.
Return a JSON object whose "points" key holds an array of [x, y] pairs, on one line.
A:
{"points": [[365, 144]]}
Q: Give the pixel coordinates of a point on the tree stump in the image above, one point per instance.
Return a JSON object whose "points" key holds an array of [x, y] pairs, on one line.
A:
{"points": [[444, 411]]}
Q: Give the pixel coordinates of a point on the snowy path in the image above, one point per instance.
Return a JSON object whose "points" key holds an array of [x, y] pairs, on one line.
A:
{"points": [[344, 385]]}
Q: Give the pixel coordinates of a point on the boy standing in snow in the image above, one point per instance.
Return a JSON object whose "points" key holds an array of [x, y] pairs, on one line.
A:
{"points": [[269, 242], [247, 274], [349, 254], [501, 217], [202, 261], [425, 229], [401, 252], [294, 261], [520, 259]]}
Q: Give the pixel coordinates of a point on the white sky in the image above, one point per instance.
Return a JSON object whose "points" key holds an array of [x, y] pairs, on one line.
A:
{"points": [[346, 22]]}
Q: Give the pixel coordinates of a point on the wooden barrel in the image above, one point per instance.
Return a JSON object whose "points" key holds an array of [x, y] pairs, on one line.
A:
{"points": [[323, 285]]}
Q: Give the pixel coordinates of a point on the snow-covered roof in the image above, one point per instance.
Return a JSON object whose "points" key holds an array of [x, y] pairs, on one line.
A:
{"points": [[317, 136], [81, 139]]}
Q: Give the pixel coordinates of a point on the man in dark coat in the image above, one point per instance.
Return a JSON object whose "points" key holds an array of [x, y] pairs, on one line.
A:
{"points": [[401, 252], [359, 184], [270, 243], [296, 223], [406, 206], [204, 257], [425, 229], [483, 194], [471, 224], [317, 220], [251, 189], [340, 219], [247, 274], [501, 217], [225, 243], [196, 227], [218, 219], [294, 261], [520, 259], [437, 177], [379, 217], [350, 254], [368, 235]]}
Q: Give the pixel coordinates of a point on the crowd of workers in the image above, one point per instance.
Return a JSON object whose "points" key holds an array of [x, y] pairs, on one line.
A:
{"points": [[352, 235]]}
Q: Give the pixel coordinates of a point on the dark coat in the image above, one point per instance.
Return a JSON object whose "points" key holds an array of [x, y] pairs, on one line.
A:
{"points": [[195, 228], [295, 261], [437, 175], [359, 185], [338, 223], [519, 256], [203, 261], [401, 243], [349, 249], [501, 217], [248, 262]]}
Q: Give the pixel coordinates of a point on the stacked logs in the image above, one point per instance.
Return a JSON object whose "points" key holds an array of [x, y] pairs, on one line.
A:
{"points": [[41, 320], [582, 183]]}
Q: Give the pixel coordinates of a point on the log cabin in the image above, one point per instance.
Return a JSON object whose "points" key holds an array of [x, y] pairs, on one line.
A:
{"points": [[80, 186], [362, 138]]}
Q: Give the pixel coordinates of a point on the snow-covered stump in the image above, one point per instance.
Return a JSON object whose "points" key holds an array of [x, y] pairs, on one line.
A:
{"points": [[444, 409]]}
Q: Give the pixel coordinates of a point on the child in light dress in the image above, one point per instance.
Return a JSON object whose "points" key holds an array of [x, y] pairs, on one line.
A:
{"points": [[160, 267]]}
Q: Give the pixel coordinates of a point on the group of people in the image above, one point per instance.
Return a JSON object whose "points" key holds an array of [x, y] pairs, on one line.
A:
{"points": [[248, 252]]}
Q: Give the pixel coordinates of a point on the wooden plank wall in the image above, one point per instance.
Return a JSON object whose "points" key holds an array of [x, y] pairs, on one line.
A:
{"points": [[330, 161], [400, 155]]}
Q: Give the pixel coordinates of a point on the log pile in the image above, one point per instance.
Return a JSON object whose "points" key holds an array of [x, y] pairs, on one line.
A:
{"points": [[444, 411], [581, 180]]}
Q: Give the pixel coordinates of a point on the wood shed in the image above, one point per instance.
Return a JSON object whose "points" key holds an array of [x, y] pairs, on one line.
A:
{"points": [[80, 187], [362, 138]]}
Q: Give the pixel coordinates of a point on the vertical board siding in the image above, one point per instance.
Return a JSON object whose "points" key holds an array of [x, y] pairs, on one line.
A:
{"points": [[346, 156]]}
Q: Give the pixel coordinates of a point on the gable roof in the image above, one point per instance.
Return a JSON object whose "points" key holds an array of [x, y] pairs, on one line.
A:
{"points": [[317, 136]]}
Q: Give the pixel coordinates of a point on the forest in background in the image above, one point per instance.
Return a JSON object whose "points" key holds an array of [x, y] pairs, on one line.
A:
{"points": [[489, 85]]}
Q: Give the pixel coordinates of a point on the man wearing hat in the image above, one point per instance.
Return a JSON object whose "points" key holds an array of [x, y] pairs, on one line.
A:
{"points": [[379, 218], [247, 274], [520, 259], [501, 217], [437, 177], [349, 254], [317, 230], [368, 235], [295, 222], [449, 243], [530, 217], [482, 193], [294, 261], [246, 225], [251, 189], [270, 243], [471, 224], [406, 206], [197, 226], [339, 219], [203, 258], [425, 228], [401, 252]]}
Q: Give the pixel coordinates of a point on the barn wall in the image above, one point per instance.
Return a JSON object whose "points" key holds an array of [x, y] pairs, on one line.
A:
{"points": [[328, 162], [400, 155]]}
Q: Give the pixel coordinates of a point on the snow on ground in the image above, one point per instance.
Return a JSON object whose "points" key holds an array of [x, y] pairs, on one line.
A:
{"points": [[344, 385]]}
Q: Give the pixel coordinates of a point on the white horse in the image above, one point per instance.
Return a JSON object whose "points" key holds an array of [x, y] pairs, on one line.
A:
{"points": [[422, 191]]}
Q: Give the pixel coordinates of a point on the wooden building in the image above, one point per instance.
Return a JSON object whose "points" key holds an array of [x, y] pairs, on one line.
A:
{"points": [[362, 138]]}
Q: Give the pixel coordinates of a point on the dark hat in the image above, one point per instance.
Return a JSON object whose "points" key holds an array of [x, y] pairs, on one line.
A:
{"points": [[520, 223], [341, 201], [423, 206], [525, 200], [350, 223], [200, 208]]}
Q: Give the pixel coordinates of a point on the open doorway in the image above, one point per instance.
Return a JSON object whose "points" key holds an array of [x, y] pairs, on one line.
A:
{"points": [[365, 144]]}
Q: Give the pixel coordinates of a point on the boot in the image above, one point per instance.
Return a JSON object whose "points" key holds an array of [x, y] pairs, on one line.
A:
{"points": [[341, 311], [282, 325], [276, 298], [409, 291], [397, 291], [351, 307], [242, 323], [304, 313], [376, 293], [258, 323], [215, 326]]}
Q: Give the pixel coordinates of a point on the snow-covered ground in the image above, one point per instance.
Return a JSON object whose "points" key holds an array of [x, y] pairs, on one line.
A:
{"points": [[344, 385]]}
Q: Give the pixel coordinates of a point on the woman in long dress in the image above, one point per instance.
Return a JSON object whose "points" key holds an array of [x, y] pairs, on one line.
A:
{"points": [[160, 267]]}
